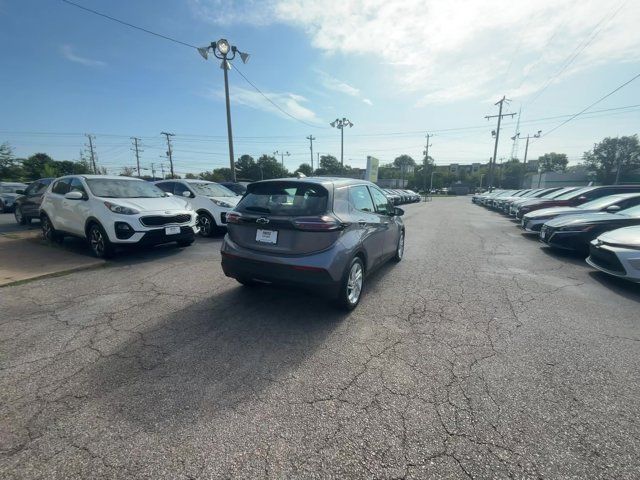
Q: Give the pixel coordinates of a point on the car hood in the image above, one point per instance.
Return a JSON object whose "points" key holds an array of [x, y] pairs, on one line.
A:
{"points": [[10, 195], [150, 204], [622, 236], [587, 218], [233, 201]]}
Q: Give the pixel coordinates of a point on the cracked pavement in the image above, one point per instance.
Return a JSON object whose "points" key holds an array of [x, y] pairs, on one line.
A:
{"points": [[480, 355]]}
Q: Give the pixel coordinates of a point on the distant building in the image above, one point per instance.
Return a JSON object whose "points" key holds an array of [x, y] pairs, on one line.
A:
{"points": [[459, 188]]}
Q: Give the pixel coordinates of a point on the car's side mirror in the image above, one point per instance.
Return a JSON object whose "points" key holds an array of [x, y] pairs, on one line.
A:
{"points": [[613, 208], [186, 194], [74, 195], [398, 212], [168, 194], [20, 192], [582, 198]]}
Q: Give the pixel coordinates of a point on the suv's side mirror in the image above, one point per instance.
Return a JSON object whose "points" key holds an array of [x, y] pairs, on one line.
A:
{"points": [[74, 195], [20, 192], [398, 212], [186, 193], [613, 208]]}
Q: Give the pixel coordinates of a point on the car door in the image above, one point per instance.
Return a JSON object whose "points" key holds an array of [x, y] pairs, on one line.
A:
{"points": [[388, 227], [76, 211], [56, 212], [28, 203], [364, 214]]}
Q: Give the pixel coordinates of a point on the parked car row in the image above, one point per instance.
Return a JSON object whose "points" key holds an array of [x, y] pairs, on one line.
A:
{"points": [[400, 197], [602, 222], [9, 191]]}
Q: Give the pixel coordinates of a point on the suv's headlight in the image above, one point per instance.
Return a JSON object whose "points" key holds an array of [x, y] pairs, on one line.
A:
{"points": [[222, 204], [120, 209]]}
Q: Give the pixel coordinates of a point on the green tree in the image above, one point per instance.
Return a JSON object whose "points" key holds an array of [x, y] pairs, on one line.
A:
{"points": [[329, 165], [191, 176], [269, 167], [606, 155], [553, 162], [217, 175], [247, 168], [511, 174], [306, 169], [35, 167], [9, 168], [128, 172]]}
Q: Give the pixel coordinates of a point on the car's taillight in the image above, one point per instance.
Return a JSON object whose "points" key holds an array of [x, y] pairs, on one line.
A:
{"points": [[234, 217], [324, 223]]}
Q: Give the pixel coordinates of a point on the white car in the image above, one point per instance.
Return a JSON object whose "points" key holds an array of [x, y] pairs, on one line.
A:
{"points": [[109, 211], [617, 253], [210, 200]]}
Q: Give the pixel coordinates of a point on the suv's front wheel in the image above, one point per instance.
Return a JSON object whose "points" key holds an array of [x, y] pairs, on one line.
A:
{"points": [[99, 242], [207, 224], [352, 285], [49, 233]]}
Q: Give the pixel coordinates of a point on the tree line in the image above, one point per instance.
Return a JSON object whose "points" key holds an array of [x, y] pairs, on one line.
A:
{"points": [[602, 160]]}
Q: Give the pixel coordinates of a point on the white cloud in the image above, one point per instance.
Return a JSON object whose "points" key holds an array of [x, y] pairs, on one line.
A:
{"points": [[332, 83], [289, 102], [449, 50], [68, 53], [367, 101]]}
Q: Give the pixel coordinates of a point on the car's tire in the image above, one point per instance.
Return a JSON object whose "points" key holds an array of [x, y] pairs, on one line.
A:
{"points": [[49, 233], [207, 224], [2, 210], [185, 243], [399, 248], [246, 282], [20, 218], [99, 242], [352, 285]]}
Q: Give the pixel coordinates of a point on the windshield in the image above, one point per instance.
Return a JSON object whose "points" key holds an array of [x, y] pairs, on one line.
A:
{"points": [[631, 212], [573, 193], [116, 188], [285, 198], [599, 203], [11, 188], [211, 190]]}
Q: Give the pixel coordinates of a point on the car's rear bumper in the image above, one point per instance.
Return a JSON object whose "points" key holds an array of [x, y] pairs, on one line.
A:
{"points": [[320, 272]]}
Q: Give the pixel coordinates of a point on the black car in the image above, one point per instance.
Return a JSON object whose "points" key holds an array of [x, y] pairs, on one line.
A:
{"points": [[27, 205], [575, 232], [235, 187]]}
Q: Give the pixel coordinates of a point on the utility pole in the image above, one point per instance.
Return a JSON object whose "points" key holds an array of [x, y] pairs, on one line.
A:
{"points": [[282, 155], [426, 160], [92, 152], [497, 135], [169, 152], [619, 167], [162, 170], [137, 150], [311, 138], [153, 171]]}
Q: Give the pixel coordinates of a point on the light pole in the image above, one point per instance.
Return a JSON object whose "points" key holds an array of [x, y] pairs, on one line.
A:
{"points": [[431, 184], [341, 123], [481, 177], [282, 155], [225, 52]]}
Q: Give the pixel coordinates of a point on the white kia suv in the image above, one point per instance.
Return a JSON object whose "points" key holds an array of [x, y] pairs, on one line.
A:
{"points": [[210, 200], [109, 211]]}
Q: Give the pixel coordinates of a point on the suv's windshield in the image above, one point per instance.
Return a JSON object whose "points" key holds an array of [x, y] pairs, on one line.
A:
{"points": [[599, 203], [631, 212], [211, 189], [285, 198], [116, 188]]}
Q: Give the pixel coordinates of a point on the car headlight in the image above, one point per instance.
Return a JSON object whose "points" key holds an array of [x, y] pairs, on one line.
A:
{"points": [[120, 209], [222, 204]]}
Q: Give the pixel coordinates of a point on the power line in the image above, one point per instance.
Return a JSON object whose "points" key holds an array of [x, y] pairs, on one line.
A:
{"points": [[109, 17], [593, 104]]}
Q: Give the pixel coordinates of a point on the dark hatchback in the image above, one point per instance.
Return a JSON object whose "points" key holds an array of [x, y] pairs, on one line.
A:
{"points": [[326, 234], [574, 198], [27, 205], [575, 232]]}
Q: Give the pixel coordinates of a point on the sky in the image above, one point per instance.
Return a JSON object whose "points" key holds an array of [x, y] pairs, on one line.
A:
{"points": [[396, 69]]}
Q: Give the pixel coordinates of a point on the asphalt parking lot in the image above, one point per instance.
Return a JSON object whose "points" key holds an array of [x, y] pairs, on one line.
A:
{"points": [[480, 355]]}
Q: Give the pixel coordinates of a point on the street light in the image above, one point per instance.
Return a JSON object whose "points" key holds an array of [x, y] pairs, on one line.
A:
{"points": [[340, 123], [282, 155], [220, 50]]}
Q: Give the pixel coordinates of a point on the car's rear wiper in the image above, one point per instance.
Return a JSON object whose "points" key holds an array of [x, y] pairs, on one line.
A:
{"points": [[258, 209]]}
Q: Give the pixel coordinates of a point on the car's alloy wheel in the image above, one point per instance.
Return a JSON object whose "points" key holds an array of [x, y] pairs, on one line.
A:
{"points": [[354, 283], [47, 228], [17, 213], [206, 224], [97, 242]]}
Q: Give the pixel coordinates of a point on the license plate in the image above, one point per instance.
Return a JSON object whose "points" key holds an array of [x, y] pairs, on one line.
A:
{"points": [[171, 230], [267, 236]]}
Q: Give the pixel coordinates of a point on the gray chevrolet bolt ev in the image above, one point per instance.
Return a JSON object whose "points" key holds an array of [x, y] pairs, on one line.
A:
{"points": [[324, 233]]}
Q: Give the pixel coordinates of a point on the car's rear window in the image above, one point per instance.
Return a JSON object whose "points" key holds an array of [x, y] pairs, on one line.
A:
{"points": [[574, 193], [285, 198]]}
